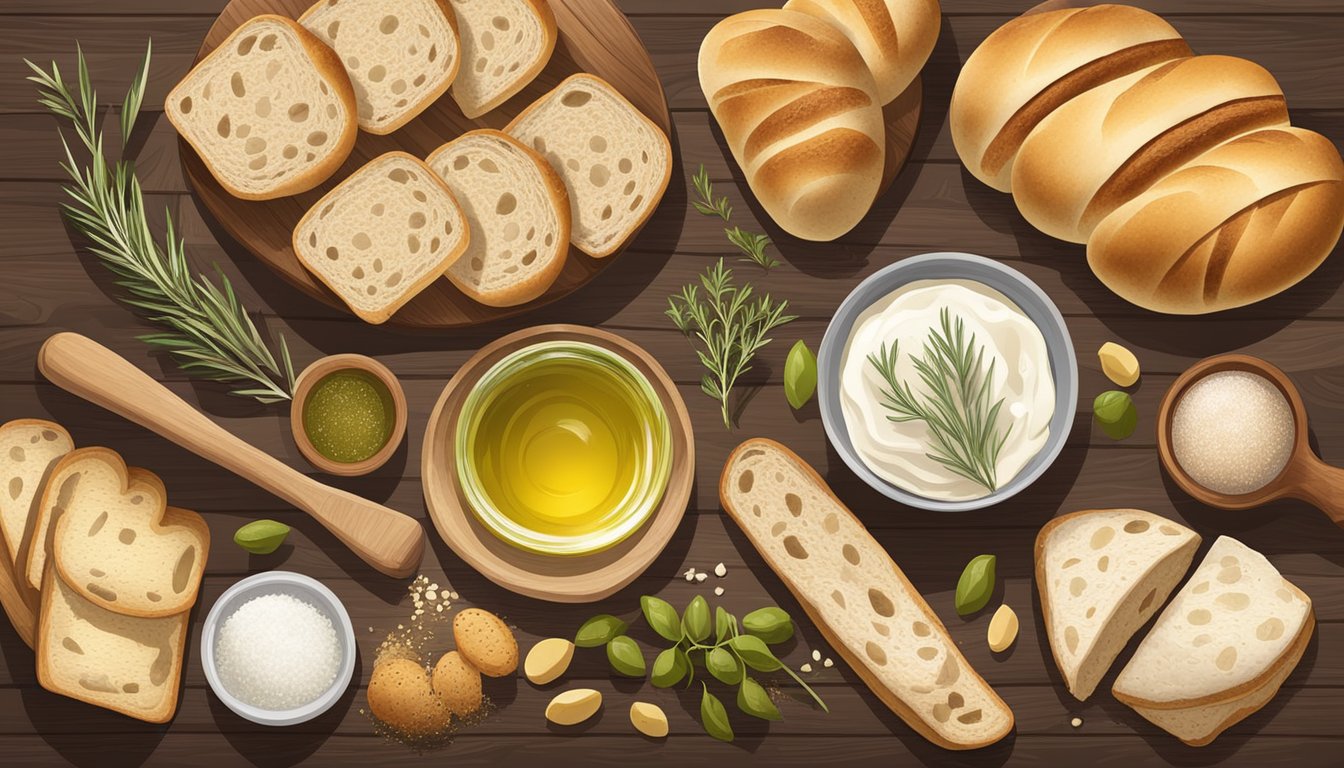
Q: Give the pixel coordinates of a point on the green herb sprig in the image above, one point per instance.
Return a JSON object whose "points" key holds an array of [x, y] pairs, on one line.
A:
{"points": [[209, 333], [731, 325], [727, 653], [963, 424], [750, 244]]}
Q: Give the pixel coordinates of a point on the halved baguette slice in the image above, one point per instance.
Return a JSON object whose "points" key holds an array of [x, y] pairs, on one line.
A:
{"points": [[29, 449], [1222, 647], [518, 211], [400, 57], [616, 162], [271, 111], [1101, 575], [383, 235], [859, 598], [505, 45]]}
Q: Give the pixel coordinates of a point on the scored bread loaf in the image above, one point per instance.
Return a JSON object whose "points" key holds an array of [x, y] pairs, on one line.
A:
{"points": [[271, 111], [801, 113], [1238, 224], [615, 162], [1103, 148], [1222, 647], [1032, 65], [505, 44], [29, 448], [859, 598], [400, 57], [895, 37], [382, 235], [1101, 575], [518, 212]]}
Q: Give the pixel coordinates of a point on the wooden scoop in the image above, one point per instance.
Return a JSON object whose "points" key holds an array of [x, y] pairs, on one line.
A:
{"points": [[387, 540], [1304, 477]]}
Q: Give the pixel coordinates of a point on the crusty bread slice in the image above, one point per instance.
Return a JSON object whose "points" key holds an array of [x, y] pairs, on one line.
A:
{"points": [[1221, 648], [859, 598], [29, 449], [271, 111], [400, 57], [383, 235], [1101, 575], [128, 664], [616, 162], [518, 211], [505, 44]]}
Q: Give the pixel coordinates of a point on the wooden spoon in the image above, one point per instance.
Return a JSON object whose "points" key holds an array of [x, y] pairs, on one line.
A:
{"points": [[1304, 477], [387, 540]]}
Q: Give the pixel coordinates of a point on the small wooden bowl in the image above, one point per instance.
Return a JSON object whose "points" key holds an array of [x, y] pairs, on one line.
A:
{"points": [[1305, 477], [320, 370], [575, 579]]}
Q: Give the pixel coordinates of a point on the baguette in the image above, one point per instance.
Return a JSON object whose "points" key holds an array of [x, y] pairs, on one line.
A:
{"points": [[505, 45], [858, 597], [895, 37]]}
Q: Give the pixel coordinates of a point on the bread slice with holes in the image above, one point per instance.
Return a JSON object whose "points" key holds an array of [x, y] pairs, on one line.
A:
{"points": [[859, 598], [29, 448], [383, 235], [270, 112], [615, 161], [505, 45], [518, 212], [1222, 647], [1102, 574], [400, 57]]}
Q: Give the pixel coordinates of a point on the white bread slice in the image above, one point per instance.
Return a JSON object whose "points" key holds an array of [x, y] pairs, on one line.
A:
{"points": [[518, 212], [29, 449], [271, 111], [505, 45], [1221, 648], [616, 162], [127, 664], [1101, 575], [859, 598], [400, 57], [383, 235]]}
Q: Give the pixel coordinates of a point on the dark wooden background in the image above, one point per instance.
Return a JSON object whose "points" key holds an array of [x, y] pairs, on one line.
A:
{"points": [[47, 284]]}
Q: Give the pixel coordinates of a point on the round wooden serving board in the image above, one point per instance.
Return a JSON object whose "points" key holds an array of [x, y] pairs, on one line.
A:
{"points": [[595, 37]]}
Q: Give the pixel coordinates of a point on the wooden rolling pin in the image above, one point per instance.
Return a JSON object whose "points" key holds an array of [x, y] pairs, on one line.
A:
{"points": [[385, 539]]}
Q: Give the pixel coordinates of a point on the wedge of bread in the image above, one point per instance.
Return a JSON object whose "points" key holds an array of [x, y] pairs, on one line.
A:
{"points": [[518, 212], [1102, 574], [29, 449], [859, 598], [271, 111], [1222, 647], [505, 44], [400, 57], [383, 235], [616, 162]]}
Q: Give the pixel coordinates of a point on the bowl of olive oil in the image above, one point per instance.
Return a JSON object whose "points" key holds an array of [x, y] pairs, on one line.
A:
{"points": [[563, 448]]}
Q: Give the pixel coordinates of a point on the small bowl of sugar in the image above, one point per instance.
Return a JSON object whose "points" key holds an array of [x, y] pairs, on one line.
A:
{"points": [[278, 648]]}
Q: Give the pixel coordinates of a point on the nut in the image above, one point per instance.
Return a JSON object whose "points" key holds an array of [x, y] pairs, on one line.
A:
{"points": [[458, 684], [574, 706], [1119, 364], [1002, 629], [401, 696], [648, 719], [486, 642], [548, 660]]}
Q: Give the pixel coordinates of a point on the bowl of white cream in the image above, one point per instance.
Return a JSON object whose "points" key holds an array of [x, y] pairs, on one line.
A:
{"points": [[948, 381]]}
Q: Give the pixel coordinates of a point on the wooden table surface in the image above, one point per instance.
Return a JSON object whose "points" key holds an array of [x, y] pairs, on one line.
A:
{"points": [[48, 284]]}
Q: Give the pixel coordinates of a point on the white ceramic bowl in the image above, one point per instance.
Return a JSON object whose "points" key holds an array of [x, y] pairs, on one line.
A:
{"points": [[306, 589]]}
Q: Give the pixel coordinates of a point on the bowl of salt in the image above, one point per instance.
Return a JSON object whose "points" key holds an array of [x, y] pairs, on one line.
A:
{"points": [[278, 648]]}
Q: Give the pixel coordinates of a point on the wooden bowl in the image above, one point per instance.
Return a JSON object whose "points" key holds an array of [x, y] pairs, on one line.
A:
{"points": [[578, 579], [320, 370]]}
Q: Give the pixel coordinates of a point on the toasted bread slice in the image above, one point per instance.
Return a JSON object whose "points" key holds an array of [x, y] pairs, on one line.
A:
{"points": [[29, 448], [505, 44]]}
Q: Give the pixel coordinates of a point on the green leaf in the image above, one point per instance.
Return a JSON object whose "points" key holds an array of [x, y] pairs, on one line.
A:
{"points": [[261, 537], [770, 624], [669, 668], [625, 657], [724, 666], [1116, 413], [695, 620], [800, 375], [753, 700], [714, 717], [135, 96], [754, 653], [725, 625], [976, 584], [599, 630], [662, 617]]}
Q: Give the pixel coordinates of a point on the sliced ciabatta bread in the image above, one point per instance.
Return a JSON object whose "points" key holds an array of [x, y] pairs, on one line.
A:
{"points": [[518, 212], [859, 598], [28, 450], [505, 44], [615, 162], [271, 111], [1101, 575], [1222, 647], [383, 235], [400, 57]]}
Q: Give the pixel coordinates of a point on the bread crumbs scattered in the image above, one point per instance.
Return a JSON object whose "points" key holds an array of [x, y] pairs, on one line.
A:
{"points": [[701, 576], [720, 570], [1076, 722], [828, 663], [718, 591], [816, 655], [806, 668]]}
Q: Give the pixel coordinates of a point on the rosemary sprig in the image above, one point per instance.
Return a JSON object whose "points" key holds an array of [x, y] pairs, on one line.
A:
{"points": [[208, 332], [750, 244], [963, 425], [731, 326]]}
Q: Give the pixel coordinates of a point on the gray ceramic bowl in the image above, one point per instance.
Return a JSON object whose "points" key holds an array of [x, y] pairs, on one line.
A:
{"points": [[950, 266]]}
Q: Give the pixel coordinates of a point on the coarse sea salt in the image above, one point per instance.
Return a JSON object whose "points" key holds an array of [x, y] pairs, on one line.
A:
{"points": [[277, 652]]}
